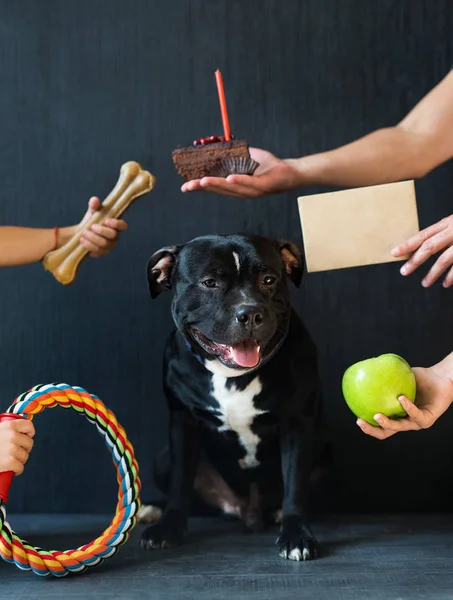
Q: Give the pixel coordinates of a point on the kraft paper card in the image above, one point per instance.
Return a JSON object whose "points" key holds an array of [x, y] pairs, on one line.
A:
{"points": [[357, 227]]}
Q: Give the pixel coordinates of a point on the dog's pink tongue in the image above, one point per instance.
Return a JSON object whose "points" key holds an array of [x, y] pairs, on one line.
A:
{"points": [[246, 354]]}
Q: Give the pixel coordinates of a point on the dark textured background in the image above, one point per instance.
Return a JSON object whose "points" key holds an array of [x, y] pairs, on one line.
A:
{"points": [[88, 85]]}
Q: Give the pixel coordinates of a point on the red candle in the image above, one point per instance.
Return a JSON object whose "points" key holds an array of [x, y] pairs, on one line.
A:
{"points": [[223, 106]]}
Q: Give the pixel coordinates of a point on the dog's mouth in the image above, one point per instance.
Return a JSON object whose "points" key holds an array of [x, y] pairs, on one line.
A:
{"points": [[243, 355]]}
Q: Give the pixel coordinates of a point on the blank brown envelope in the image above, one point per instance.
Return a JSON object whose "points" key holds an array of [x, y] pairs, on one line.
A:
{"points": [[357, 227]]}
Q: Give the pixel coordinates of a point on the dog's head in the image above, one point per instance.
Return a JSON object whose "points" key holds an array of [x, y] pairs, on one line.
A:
{"points": [[231, 298]]}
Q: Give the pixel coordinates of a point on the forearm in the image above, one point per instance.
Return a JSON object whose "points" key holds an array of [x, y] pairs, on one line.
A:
{"points": [[384, 156], [411, 149], [23, 245]]}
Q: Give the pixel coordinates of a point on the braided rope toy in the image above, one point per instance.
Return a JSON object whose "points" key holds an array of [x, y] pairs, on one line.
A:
{"points": [[59, 563]]}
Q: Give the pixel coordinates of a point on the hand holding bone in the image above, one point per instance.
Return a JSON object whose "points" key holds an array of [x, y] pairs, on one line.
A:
{"points": [[100, 240], [132, 183]]}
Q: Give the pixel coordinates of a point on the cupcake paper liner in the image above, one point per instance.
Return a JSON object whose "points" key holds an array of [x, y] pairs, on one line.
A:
{"points": [[234, 166]]}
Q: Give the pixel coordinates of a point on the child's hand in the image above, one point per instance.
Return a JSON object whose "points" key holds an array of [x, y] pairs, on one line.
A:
{"points": [[16, 442], [101, 239]]}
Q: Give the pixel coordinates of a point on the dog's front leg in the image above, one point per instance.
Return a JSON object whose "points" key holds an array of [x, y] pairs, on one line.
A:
{"points": [[184, 456], [296, 540]]}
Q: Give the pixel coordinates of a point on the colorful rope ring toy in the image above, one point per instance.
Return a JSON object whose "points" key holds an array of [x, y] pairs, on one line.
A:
{"points": [[59, 563]]}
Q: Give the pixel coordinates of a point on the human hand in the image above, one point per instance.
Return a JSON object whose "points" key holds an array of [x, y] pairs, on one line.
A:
{"points": [[16, 442], [100, 239], [426, 243], [273, 176], [434, 396]]}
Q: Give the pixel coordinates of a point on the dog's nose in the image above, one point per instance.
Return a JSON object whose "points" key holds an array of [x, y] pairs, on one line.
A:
{"points": [[249, 316]]}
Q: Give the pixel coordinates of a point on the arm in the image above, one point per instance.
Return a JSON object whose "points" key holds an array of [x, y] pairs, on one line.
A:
{"points": [[421, 142], [434, 397], [409, 150], [23, 245]]}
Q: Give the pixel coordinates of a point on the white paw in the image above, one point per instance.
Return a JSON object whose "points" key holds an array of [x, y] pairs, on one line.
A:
{"points": [[149, 514], [296, 554]]}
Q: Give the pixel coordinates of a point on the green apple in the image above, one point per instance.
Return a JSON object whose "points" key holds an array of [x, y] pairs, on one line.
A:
{"points": [[374, 385]]}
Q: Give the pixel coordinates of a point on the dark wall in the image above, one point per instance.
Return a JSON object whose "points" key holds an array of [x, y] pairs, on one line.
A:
{"points": [[88, 85]]}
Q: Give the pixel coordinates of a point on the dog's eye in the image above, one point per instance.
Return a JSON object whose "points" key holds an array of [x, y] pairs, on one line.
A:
{"points": [[209, 283], [268, 280]]}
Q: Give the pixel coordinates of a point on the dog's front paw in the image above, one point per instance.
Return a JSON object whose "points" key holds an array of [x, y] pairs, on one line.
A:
{"points": [[296, 540], [168, 532]]}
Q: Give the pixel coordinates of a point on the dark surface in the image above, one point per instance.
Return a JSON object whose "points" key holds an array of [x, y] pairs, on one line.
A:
{"points": [[89, 84], [378, 558]]}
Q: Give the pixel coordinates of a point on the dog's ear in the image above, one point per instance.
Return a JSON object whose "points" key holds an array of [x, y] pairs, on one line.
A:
{"points": [[160, 267], [293, 260]]}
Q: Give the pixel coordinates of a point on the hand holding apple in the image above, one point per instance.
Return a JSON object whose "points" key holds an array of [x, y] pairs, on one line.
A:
{"points": [[434, 387]]}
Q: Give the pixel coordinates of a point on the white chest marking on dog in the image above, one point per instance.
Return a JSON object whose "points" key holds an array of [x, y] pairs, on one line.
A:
{"points": [[236, 261], [237, 412]]}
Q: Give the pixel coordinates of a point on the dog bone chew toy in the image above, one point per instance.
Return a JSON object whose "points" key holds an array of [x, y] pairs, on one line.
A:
{"points": [[132, 183], [59, 563]]}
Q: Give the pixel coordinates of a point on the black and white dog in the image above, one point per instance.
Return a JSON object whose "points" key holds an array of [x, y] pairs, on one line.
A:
{"points": [[241, 381]]}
